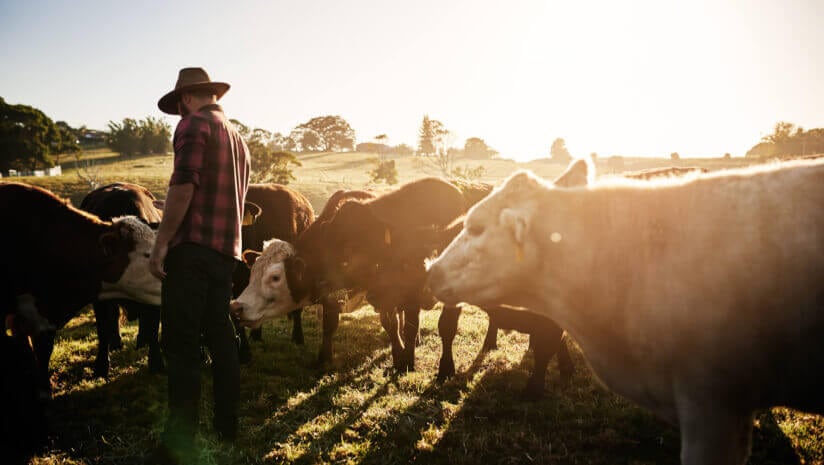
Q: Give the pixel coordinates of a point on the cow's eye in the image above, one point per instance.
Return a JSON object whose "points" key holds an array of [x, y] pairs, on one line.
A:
{"points": [[147, 255], [276, 278]]}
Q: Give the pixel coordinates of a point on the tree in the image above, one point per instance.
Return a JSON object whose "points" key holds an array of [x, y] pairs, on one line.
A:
{"points": [[385, 170], [334, 133], [426, 145], [124, 137], [307, 139], [402, 150], [28, 138], [558, 151], [476, 148], [727, 156], [674, 156], [433, 137], [155, 136], [268, 162]]}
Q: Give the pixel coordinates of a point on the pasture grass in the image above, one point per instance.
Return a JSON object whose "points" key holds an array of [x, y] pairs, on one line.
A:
{"points": [[360, 410]]}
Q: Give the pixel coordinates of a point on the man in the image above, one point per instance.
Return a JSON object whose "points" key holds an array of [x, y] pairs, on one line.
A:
{"points": [[197, 247]]}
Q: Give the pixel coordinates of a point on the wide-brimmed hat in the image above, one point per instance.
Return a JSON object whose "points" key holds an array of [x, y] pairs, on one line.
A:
{"points": [[190, 79]]}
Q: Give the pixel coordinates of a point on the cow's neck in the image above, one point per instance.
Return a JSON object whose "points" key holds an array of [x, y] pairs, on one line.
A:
{"points": [[598, 296]]}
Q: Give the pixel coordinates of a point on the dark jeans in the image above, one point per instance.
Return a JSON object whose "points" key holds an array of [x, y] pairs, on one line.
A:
{"points": [[195, 301]]}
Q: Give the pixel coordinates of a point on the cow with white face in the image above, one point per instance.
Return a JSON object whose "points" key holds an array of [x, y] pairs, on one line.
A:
{"points": [[700, 299], [59, 259], [267, 296], [135, 283]]}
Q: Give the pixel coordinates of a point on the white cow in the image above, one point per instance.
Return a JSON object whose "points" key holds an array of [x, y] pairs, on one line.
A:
{"points": [[267, 295], [699, 299]]}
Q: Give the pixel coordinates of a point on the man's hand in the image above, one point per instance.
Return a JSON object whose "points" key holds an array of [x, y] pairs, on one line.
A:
{"points": [[156, 259]]}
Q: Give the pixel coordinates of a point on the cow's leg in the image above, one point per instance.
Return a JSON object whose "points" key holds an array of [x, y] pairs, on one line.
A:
{"points": [[411, 329], [491, 339], [115, 341], [256, 334], [713, 435], [105, 319], [43, 344], [297, 326], [244, 351], [149, 327], [391, 322], [546, 340], [331, 319], [447, 328], [565, 365]]}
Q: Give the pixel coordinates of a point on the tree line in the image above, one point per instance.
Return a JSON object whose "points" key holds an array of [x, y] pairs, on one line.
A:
{"points": [[789, 140]]}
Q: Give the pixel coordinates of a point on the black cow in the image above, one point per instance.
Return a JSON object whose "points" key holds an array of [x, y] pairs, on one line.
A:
{"points": [[112, 201]]}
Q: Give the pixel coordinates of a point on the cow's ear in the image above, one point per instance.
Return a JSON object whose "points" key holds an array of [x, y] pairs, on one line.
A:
{"points": [[249, 257], [251, 212], [295, 267], [419, 204], [576, 175], [108, 242], [515, 221]]}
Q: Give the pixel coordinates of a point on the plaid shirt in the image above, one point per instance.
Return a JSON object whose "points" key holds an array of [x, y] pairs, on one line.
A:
{"points": [[210, 154]]}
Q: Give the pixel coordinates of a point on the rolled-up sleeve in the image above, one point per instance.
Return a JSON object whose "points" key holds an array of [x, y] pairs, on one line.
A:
{"points": [[191, 137]]}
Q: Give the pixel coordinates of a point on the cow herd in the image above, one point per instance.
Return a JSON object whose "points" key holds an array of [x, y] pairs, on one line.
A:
{"points": [[699, 296]]}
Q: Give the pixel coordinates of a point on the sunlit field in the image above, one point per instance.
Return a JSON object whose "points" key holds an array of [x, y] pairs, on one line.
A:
{"points": [[360, 410]]}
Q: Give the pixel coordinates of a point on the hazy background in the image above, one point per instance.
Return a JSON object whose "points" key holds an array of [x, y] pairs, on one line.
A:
{"points": [[638, 78]]}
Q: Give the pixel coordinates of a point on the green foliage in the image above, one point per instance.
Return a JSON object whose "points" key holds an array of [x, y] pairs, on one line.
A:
{"points": [[558, 151], [469, 174], [308, 140], [270, 162], [385, 171], [788, 140], [402, 150], [328, 133], [28, 138], [476, 148], [147, 136]]}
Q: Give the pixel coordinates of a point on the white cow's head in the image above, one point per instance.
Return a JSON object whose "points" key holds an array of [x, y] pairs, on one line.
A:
{"points": [[128, 248], [267, 295], [498, 249]]}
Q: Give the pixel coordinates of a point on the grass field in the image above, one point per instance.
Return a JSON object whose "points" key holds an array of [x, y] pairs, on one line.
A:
{"points": [[360, 410]]}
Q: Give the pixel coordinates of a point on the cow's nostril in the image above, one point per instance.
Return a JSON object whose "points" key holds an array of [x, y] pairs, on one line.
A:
{"points": [[236, 308]]}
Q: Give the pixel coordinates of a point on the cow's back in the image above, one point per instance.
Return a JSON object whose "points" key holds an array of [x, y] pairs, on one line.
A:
{"points": [[121, 199]]}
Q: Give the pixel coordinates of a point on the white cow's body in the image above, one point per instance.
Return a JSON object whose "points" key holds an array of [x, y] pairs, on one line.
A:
{"points": [[702, 300]]}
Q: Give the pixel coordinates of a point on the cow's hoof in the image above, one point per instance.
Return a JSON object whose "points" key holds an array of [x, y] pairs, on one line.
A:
{"points": [[101, 370], [532, 393], [244, 355], [445, 371], [324, 360], [156, 365]]}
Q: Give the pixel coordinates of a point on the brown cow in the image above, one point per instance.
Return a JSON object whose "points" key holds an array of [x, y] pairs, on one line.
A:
{"points": [[379, 245], [66, 258], [283, 213]]}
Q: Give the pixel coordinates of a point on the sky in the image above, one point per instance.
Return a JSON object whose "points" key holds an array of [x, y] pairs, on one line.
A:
{"points": [[632, 78]]}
